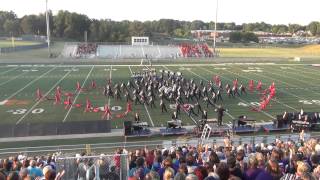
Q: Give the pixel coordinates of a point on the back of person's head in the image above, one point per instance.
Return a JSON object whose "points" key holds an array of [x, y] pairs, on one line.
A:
{"points": [[23, 173], [231, 161], [140, 162], [307, 176], [273, 167], [190, 160], [168, 174], [152, 175], [33, 163], [314, 159], [253, 162], [213, 158], [13, 176], [180, 176], [302, 168], [240, 155], [223, 171], [167, 162], [192, 177], [50, 175]]}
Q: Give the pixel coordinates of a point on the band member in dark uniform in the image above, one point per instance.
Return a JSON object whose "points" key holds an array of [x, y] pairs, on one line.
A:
{"points": [[198, 107], [136, 118], [220, 111], [235, 91], [203, 120], [242, 89], [151, 102], [174, 116], [218, 95], [178, 108], [285, 118], [163, 106], [191, 111]]}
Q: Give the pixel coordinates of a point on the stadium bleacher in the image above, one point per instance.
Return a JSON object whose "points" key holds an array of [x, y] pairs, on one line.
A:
{"points": [[137, 52]]}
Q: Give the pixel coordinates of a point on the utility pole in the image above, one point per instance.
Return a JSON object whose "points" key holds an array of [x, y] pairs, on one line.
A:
{"points": [[48, 29]]}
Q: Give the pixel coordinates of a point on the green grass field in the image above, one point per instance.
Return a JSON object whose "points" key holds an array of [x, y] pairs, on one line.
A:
{"points": [[7, 43], [297, 87], [308, 51]]}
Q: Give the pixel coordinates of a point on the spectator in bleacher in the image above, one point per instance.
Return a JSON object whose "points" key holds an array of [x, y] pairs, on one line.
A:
{"points": [[253, 170], [34, 171], [152, 175], [167, 166], [139, 171]]}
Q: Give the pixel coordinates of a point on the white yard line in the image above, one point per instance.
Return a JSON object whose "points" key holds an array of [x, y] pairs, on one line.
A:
{"points": [[75, 99], [30, 83], [144, 104], [35, 105], [285, 92], [15, 77], [9, 70], [250, 79], [265, 113], [288, 77]]}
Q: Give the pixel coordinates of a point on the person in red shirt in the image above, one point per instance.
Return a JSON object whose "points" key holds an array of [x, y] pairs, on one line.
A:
{"points": [[39, 95], [106, 113], [88, 106], [68, 103]]}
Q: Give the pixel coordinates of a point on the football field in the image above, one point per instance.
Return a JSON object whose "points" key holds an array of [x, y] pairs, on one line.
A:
{"points": [[297, 86]]}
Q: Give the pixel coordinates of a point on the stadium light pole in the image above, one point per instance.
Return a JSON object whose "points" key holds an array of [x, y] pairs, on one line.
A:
{"points": [[215, 29], [48, 29]]}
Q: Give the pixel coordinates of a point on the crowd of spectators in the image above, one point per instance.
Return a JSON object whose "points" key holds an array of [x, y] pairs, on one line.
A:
{"points": [[205, 49], [195, 50], [285, 160], [29, 168], [280, 160], [86, 49], [190, 50]]}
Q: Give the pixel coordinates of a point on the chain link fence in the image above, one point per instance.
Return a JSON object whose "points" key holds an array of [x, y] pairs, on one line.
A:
{"points": [[103, 167]]}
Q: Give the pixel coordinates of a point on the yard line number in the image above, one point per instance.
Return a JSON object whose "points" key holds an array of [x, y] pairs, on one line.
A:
{"points": [[23, 111], [310, 102]]}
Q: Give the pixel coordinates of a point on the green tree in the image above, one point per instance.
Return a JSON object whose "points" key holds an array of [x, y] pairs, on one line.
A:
{"points": [[12, 27]]}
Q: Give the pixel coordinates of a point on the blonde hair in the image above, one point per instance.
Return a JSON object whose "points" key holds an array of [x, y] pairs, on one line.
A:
{"points": [[168, 174], [302, 167]]}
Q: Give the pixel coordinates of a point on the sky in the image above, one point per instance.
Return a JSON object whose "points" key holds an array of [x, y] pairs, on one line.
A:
{"points": [[244, 11]]}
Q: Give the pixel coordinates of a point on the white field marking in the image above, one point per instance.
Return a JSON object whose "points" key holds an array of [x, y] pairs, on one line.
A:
{"points": [[306, 72], [265, 113], [145, 107], [130, 70], [296, 80], [186, 111], [30, 83], [110, 77], [286, 92], [15, 77], [169, 65], [35, 105], [256, 93], [299, 75], [8, 71], [78, 93]]}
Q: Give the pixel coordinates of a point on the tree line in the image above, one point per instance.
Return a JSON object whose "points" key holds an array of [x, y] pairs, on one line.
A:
{"points": [[71, 26]]}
